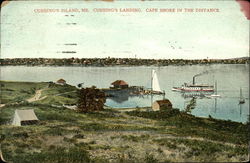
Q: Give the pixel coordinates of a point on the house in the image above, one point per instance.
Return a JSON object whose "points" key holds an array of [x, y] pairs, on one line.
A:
{"points": [[119, 84], [24, 117], [161, 105], [61, 82]]}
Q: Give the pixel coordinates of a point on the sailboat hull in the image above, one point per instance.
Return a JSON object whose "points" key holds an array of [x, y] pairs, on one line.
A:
{"points": [[213, 96], [242, 100], [158, 93]]}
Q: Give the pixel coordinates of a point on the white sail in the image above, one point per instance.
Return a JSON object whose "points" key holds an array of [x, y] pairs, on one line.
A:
{"points": [[155, 82]]}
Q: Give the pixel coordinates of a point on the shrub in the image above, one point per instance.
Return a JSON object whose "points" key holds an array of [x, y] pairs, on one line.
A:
{"points": [[55, 131], [58, 155], [150, 159], [79, 136], [91, 99], [159, 115]]}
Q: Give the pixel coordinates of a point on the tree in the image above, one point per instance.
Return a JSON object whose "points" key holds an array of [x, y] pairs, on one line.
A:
{"points": [[91, 99], [191, 105]]}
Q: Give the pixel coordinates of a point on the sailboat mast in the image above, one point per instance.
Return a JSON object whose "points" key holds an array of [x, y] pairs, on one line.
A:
{"points": [[216, 87], [242, 100], [152, 80], [240, 94], [152, 89]]}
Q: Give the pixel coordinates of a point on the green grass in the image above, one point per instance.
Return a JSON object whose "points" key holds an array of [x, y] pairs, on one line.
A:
{"points": [[63, 128], [188, 125], [59, 154], [135, 138], [64, 135], [18, 91], [12, 92], [59, 94], [200, 149]]}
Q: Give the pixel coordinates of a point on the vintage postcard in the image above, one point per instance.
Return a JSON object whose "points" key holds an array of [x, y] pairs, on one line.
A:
{"points": [[115, 81]]}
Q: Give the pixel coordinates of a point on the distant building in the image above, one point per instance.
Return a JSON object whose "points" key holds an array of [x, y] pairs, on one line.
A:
{"points": [[119, 84], [161, 105], [24, 117], [61, 82]]}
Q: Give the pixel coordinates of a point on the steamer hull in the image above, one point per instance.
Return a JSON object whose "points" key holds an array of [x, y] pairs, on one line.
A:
{"points": [[194, 88]]}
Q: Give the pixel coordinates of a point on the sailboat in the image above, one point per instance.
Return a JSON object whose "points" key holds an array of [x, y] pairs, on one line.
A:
{"points": [[215, 95], [155, 84], [242, 99]]}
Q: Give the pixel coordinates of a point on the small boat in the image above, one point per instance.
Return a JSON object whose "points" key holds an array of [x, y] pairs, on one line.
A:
{"points": [[242, 99], [215, 92], [215, 95], [155, 84]]}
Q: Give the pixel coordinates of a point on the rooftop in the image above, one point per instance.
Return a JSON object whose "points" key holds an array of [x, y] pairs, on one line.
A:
{"points": [[61, 81], [119, 82], [162, 102]]}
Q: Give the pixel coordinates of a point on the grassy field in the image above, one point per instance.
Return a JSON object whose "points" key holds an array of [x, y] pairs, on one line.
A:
{"points": [[59, 94], [64, 135], [18, 91]]}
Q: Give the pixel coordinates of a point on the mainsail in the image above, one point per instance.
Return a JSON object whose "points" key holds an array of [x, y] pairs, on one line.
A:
{"points": [[155, 82]]}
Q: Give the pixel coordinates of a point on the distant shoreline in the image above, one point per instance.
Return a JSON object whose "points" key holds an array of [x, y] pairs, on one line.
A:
{"points": [[107, 62]]}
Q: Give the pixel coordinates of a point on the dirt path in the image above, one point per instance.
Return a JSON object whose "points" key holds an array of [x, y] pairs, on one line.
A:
{"points": [[37, 96], [32, 99]]}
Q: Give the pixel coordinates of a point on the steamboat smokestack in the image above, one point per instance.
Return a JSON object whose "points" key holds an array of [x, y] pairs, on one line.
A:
{"points": [[194, 80]]}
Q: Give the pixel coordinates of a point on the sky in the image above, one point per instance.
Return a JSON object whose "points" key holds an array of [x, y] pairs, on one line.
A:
{"points": [[158, 35]]}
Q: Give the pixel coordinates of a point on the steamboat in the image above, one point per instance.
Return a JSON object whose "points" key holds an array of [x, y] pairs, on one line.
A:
{"points": [[194, 87]]}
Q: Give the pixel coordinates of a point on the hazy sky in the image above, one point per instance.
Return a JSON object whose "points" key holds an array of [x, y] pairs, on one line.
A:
{"points": [[25, 33]]}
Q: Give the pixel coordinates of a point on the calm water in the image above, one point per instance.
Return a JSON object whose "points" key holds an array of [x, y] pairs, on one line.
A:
{"points": [[230, 78]]}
